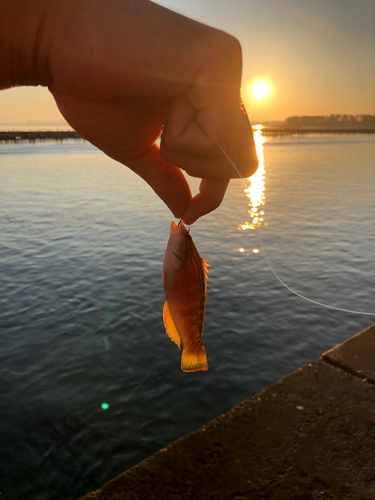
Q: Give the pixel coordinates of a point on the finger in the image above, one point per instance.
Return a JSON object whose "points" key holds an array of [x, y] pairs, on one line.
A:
{"points": [[168, 181], [233, 134], [183, 133], [213, 143], [216, 94], [210, 196], [215, 167], [185, 143]]}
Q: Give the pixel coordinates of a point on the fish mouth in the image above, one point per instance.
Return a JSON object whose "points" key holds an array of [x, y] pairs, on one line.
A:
{"points": [[182, 226]]}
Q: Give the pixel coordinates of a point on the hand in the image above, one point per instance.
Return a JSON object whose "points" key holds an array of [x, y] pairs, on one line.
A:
{"points": [[124, 71]]}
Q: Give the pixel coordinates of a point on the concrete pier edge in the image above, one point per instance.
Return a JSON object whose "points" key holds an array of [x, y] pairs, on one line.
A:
{"points": [[311, 435]]}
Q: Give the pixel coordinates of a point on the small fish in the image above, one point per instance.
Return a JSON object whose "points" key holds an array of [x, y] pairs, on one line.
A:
{"points": [[185, 284]]}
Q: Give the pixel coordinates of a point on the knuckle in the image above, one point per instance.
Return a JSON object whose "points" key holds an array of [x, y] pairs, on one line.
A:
{"points": [[230, 51]]}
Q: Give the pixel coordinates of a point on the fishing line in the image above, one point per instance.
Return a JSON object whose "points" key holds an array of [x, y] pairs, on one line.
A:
{"points": [[274, 272]]}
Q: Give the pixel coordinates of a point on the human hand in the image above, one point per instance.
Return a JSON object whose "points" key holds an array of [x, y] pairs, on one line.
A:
{"points": [[124, 71]]}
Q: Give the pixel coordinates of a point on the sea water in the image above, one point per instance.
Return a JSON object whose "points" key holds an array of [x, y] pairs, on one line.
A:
{"points": [[90, 384]]}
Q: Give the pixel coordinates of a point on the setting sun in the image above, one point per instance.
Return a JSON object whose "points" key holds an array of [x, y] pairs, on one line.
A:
{"points": [[260, 90]]}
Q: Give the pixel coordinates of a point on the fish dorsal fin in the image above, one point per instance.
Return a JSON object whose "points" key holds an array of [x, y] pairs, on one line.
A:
{"points": [[170, 327], [205, 266]]}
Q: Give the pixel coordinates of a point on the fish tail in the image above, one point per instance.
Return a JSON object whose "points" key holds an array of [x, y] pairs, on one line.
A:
{"points": [[194, 360]]}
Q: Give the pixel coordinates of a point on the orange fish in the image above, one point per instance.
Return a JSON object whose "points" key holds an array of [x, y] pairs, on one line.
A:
{"points": [[185, 284]]}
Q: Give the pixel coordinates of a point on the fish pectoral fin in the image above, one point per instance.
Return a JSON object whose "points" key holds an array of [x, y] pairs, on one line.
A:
{"points": [[194, 361], [170, 327]]}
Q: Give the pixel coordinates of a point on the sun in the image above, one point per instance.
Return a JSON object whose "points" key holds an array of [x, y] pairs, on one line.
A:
{"points": [[260, 90]]}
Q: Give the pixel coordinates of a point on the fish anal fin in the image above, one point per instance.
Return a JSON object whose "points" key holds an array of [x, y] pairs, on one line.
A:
{"points": [[194, 360], [205, 266], [170, 327]]}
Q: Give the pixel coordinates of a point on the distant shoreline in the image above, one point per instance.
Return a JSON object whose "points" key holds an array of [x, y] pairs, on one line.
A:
{"points": [[34, 136], [305, 131]]}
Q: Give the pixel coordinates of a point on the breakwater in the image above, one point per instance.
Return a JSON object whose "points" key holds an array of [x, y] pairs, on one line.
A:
{"points": [[52, 135], [310, 435], [33, 136]]}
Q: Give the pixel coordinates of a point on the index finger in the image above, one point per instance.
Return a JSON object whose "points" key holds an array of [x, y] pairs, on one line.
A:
{"points": [[167, 180]]}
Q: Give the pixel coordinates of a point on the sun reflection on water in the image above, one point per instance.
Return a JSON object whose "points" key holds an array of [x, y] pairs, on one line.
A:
{"points": [[256, 191]]}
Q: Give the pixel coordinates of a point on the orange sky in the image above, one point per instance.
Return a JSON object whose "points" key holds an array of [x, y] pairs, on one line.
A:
{"points": [[318, 57]]}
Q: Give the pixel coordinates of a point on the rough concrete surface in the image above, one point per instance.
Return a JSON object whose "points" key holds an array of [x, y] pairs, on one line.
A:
{"points": [[357, 354], [309, 436]]}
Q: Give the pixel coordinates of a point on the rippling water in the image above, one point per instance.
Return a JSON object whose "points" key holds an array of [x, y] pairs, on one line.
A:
{"points": [[82, 242]]}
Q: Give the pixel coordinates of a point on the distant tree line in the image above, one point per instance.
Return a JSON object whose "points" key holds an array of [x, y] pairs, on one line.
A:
{"points": [[331, 121]]}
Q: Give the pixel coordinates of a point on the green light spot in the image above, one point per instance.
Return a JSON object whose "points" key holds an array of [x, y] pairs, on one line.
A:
{"points": [[105, 406]]}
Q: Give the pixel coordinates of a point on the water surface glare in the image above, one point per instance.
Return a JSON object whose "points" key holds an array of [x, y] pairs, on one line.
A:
{"points": [[90, 383]]}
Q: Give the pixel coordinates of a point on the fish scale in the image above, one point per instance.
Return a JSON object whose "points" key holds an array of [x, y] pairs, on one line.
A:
{"points": [[185, 284]]}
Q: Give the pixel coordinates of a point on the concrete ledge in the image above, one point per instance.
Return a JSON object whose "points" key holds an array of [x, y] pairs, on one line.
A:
{"points": [[309, 436], [356, 355]]}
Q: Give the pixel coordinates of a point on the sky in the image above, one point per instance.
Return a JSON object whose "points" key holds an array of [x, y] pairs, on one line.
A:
{"points": [[317, 57]]}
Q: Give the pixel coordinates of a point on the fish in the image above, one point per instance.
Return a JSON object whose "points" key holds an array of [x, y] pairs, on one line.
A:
{"points": [[185, 275]]}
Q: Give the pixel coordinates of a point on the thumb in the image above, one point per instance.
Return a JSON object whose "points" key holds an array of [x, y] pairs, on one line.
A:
{"points": [[211, 194]]}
